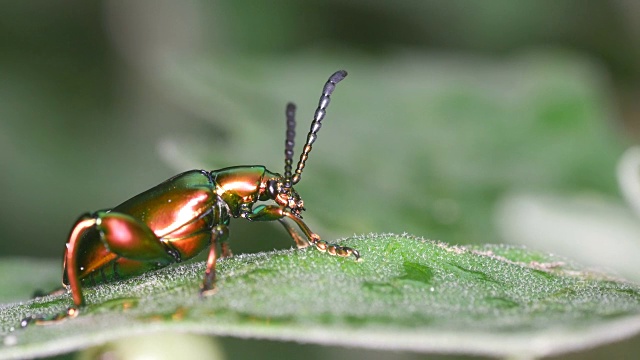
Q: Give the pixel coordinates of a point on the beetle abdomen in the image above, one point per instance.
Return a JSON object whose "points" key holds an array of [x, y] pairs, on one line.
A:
{"points": [[173, 204], [178, 209]]}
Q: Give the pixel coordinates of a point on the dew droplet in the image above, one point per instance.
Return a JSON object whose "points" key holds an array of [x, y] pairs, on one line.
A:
{"points": [[25, 322], [432, 289]]}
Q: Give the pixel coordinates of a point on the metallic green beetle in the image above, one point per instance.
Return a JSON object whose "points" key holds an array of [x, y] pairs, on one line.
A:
{"points": [[179, 218]]}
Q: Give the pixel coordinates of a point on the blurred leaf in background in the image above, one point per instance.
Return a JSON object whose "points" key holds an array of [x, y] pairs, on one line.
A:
{"points": [[443, 142]]}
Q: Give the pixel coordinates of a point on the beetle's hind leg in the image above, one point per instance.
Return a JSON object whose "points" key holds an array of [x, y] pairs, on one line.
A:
{"points": [[123, 236], [71, 312]]}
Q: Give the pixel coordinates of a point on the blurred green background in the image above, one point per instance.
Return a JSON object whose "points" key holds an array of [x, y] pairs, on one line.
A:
{"points": [[460, 121]]}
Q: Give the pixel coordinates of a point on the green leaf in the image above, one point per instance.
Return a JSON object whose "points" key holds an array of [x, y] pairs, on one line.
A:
{"points": [[407, 293]]}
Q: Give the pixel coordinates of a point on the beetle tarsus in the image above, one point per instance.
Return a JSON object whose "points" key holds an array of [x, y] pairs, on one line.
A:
{"points": [[208, 287], [335, 250], [71, 312]]}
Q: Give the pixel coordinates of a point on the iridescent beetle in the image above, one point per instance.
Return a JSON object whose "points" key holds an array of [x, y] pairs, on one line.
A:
{"points": [[179, 218]]}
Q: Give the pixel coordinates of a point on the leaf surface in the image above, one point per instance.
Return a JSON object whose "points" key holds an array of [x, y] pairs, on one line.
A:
{"points": [[408, 293]]}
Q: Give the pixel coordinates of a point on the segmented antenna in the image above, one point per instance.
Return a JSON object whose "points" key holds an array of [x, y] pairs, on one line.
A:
{"points": [[317, 119], [289, 142]]}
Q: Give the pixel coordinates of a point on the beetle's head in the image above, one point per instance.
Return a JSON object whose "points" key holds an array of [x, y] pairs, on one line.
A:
{"points": [[287, 197]]}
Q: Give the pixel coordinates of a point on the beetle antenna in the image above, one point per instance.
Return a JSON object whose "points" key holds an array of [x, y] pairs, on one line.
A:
{"points": [[289, 142], [316, 124]]}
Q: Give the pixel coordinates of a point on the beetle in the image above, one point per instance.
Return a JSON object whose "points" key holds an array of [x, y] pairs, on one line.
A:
{"points": [[189, 212]]}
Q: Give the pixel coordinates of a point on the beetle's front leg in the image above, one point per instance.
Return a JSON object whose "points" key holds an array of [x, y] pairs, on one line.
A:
{"points": [[300, 241], [273, 212]]}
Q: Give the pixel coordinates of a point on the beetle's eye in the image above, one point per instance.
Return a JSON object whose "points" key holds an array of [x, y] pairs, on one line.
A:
{"points": [[272, 188]]}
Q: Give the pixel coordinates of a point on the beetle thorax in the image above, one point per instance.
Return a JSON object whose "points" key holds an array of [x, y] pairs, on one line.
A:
{"points": [[239, 186]]}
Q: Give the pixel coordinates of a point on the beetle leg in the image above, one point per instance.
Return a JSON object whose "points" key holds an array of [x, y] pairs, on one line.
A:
{"points": [[122, 236], [218, 233], [273, 212], [84, 223], [226, 250], [300, 242], [130, 238]]}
